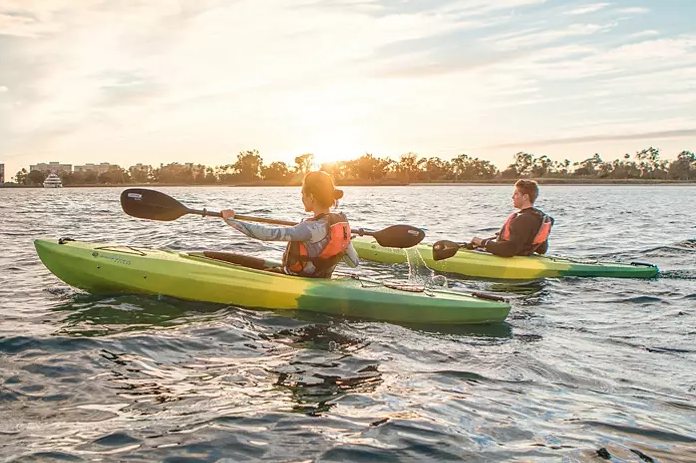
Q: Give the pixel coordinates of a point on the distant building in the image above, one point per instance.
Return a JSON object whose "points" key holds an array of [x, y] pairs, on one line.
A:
{"points": [[51, 167], [98, 168], [140, 172], [140, 168], [2, 174]]}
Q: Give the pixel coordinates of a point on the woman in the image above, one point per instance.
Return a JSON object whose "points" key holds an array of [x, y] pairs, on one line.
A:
{"points": [[316, 245]]}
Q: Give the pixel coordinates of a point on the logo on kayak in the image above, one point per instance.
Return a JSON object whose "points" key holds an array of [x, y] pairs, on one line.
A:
{"points": [[116, 259], [135, 196], [95, 254]]}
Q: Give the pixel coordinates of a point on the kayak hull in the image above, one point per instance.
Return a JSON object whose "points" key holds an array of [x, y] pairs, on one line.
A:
{"points": [[108, 269], [479, 264]]}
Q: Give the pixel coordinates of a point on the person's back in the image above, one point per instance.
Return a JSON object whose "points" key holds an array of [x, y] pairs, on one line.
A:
{"points": [[526, 231], [315, 245], [328, 243]]}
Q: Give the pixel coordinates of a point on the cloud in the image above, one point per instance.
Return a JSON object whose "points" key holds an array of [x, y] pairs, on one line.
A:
{"points": [[541, 36], [30, 18], [646, 33], [4, 89], [163, 79], [634, 10], [20, 26], [591, 8], [605, 137]]}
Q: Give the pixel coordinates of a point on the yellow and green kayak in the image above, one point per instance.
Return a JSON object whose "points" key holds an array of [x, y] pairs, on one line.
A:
{"points": [[480, 264], [229, 279]]}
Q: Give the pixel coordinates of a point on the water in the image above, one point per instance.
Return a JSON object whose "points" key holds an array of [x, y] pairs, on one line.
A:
{"points": [[584, 369]]}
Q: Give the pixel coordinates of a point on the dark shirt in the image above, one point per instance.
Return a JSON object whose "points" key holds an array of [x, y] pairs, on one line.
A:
{"points": [[523, 229]]}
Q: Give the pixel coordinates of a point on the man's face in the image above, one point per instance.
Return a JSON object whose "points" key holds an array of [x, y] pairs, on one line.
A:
{"points": [[519, 199]]}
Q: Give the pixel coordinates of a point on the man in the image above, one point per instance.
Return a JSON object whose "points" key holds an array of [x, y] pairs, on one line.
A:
{"points": [[526, 231]]}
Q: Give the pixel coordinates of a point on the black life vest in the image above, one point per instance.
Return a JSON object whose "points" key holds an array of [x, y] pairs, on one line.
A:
{"points": [[541, 236]]}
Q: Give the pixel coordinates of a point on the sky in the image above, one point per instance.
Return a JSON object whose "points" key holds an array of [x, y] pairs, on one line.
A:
{"points": [[159, 81]]}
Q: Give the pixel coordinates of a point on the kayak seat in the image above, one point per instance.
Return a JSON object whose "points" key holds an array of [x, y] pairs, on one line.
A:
{"points": [[240, 259]]}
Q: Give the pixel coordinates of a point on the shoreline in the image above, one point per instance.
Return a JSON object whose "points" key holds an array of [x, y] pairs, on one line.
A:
{"points": [[489, 182]]}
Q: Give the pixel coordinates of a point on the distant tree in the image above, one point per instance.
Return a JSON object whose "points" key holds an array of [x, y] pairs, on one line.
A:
{"points": [[684, 167], [339, 170], [210, 177], [173, 173], [277, 171], [36, 177], [464, 167], [368, 167], [90, 177], [588, 167], [409, 166], [22, 177], [523, 163], [304, 163], [564, 167], [67, 178], [435, 169], [140, 174], [248, 166], [114, 176], [510, 172], [649, 162], [541, 166]]}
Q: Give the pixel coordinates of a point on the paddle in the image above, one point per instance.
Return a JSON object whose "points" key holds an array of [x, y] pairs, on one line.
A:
{"points": [[444, 249], [154, 205]]}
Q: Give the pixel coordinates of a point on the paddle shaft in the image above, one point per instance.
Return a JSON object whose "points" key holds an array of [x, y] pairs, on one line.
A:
{"points": [[248, 218]]}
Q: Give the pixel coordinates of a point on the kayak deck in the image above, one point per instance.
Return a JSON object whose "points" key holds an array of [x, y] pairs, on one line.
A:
{"points": [[108, 268], [480, 264]]}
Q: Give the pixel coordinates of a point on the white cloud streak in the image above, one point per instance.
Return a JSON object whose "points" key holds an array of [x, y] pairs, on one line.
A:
{"points": [[586, 9]]}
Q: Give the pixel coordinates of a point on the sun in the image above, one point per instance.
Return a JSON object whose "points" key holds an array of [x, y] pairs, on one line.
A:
{"points": [[336, 144]]}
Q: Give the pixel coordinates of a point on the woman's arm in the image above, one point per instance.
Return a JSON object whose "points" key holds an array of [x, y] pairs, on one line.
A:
{"points": [[300, 232], [350, 256]]}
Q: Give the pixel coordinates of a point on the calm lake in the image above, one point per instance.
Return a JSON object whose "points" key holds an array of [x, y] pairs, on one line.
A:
{"points": [[582, 370]]}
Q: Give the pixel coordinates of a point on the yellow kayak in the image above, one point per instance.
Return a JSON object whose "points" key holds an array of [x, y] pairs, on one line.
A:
{"points": [[245, 281], [481, 264]]}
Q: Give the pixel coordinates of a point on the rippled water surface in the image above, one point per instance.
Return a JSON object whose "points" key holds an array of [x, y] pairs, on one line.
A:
{"points": [[583, 369]]}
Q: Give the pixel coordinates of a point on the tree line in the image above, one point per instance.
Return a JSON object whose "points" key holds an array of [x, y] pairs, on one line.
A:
{"points": [[249, 167]]}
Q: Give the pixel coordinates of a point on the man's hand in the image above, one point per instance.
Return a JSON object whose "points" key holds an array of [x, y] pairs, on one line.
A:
{"points": [[227, 214], [476, 241]]}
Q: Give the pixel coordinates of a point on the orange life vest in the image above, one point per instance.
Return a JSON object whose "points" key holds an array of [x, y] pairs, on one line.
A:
{"points": [[541, 236], [296, 257]]}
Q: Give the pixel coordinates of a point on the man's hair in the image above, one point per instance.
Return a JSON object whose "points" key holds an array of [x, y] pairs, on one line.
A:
{"points": [[528, 187]]}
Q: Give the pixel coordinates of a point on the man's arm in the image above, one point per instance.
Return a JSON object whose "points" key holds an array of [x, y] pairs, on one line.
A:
{"points": [[543, 247]]}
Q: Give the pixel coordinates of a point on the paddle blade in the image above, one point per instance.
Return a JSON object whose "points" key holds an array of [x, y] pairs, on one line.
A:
{"points": [[399, 236], [151, 204], [444, 249]]}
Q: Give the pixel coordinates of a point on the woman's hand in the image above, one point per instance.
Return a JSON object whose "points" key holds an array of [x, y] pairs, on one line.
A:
{"points": [[227, 214]]}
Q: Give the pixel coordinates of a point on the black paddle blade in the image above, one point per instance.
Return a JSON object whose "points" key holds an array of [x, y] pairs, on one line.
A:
{"points": [[399, 236], [151, 204], [444, 249]]}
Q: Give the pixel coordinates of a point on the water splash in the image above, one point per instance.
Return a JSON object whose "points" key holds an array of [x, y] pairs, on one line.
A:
{"points": [[419, 274]]}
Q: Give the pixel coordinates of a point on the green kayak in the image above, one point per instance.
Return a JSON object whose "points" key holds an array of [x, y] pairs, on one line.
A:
{"points": [[480, 264], [246, 281]]}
